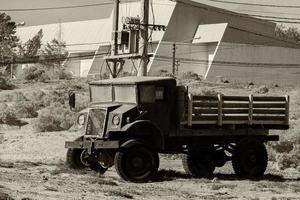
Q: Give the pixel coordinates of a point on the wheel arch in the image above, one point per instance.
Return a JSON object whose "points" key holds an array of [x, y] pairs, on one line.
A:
{"points": [[146, 131]]}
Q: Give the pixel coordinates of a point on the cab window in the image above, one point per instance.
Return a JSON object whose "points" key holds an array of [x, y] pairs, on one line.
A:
{"points": [[150, 93]]}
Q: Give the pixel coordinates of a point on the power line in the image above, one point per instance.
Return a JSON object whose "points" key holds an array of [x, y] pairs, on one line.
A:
{"points": [[254, 4], [249, 16], [229, 63], [35, 59], [54, 8]]}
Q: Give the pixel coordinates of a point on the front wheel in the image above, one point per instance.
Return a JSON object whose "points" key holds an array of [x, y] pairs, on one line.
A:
{"points": [[136, 163], [79, 159], [75, 159], [250, 158]]}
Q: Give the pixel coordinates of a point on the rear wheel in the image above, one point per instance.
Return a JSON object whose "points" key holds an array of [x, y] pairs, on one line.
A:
{"points": [[136, 163], [196, 166], [250, 158]]}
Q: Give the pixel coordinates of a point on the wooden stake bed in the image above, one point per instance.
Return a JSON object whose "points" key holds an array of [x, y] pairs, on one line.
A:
{"points": [[247, 110]]}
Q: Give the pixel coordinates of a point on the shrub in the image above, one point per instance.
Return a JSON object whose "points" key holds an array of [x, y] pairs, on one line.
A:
{"points": [[5, 84], [56, 117], [63, 75], [190, 75], [262, 90], [82, 101], [36, 74], [74, 84], [8, 116], [289, 160], [283, 147], [163, 72], [54, 96], [36, 97], [26, 109]]}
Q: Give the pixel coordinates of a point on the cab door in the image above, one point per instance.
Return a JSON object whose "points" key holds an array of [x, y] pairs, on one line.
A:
{"points": [[157, 102]]}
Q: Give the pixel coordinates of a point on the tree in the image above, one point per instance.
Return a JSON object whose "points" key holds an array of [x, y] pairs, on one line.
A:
{"points": [[54, 53], [291, 33], [8, 39], [31, 48]]}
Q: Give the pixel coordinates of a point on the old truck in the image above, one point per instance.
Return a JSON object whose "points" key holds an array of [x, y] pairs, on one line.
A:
{"points": [[131, 120]]}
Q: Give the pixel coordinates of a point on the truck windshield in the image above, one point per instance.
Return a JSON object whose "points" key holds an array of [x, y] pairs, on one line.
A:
{"points": [[126, 93], [101, 94], [104, 93]]}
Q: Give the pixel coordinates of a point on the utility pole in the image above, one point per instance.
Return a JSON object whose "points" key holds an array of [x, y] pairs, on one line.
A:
{"points": [[174, 59], [114, 51], [11, 67], [177, 66], [59, 42], [143, 43]]}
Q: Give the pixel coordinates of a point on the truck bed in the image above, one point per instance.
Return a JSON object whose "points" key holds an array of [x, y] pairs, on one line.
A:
{"points": [[220, 110]]}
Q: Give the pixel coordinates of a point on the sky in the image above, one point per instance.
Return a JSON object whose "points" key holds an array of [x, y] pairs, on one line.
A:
{"points": [[103, 11]]}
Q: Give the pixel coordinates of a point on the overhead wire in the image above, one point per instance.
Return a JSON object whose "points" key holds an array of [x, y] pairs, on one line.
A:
{"points": [[256, 4], [229, 63], [241, 14], [54, 8]]}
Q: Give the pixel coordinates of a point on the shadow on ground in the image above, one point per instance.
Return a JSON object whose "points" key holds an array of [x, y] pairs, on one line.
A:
{"points": [[168, 175]]}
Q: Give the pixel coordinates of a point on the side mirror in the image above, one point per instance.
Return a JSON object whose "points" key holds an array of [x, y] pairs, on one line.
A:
{"points": [[72, 100]]}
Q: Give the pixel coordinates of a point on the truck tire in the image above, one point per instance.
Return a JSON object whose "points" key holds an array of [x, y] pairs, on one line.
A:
{"points": [[74, 159], [136, 163], [197, 166], [250, 158]]}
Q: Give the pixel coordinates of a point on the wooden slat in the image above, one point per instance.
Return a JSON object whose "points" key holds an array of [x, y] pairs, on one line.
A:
{"points": [[190, 109], [236, 111], [235, 122], [236, 118], [268, 105], [275, 118], [268, 98], [205, 122], [204, 98], [250, 109], [220, 108], [235, 98], [235, 105], [205, 118], [269, 111], [205, 104], [287, 109], [205, 111], [268, 122]]}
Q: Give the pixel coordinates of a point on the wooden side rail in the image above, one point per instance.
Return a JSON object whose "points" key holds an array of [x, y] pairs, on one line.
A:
{"points": [[249, 110]]}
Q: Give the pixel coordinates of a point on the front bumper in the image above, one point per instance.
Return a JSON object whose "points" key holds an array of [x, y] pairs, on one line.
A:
{"points": [[97, 144]]}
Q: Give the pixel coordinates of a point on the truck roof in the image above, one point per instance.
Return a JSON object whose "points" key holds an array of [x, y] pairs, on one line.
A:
{"points": [[131, 80]]}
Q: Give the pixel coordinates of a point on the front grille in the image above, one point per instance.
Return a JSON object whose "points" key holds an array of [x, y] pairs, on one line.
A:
{"points": [[96, 122]]}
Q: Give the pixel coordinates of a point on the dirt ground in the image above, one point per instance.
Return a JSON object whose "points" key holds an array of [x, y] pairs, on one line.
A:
{"points": [[32, 166]]}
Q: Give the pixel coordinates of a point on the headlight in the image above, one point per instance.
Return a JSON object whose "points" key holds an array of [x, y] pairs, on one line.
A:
{"points": [[81, 119], [116, 120]]}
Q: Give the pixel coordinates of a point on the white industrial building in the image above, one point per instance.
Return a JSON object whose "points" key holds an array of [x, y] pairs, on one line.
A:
{"points": [[209, 41]]}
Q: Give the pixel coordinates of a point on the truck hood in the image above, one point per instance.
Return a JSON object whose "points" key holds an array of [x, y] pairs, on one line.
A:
{"points": [[100, 105]]}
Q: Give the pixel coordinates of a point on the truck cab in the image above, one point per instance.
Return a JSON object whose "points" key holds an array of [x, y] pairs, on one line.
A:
{"points": [[130, 120]]}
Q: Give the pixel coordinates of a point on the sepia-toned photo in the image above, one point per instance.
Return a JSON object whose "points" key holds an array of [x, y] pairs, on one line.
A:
{"points": [[149, 99]]}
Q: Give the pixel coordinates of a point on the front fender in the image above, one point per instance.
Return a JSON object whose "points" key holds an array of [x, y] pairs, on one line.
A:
{"points": [[145, 130]]}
